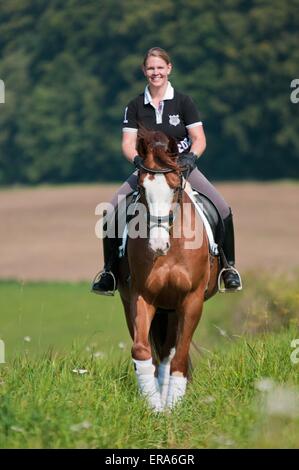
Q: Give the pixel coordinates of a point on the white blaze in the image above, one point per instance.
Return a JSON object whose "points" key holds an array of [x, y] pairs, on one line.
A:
{"points": [[159, 198]]}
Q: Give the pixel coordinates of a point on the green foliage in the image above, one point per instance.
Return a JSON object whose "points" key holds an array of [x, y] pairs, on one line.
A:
{"points": [[70, 69], [270, 304]]}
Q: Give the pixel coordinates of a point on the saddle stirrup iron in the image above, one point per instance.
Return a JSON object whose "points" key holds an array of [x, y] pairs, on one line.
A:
{"points": [[97, 278], [227, 267], [220, 278]]}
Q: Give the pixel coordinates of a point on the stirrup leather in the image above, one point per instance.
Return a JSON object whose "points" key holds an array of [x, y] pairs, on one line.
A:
{"points": [[220, 277], [98, 277]]}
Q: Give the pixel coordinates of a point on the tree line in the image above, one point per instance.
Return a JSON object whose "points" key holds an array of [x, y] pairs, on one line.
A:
{"points": [[71, 67]]}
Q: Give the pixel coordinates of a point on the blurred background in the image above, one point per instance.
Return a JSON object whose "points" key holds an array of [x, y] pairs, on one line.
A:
{"points": [[71, 67]]}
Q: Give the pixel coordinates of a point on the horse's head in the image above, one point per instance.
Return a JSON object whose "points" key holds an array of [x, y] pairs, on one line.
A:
{"points": [[160, 183]]}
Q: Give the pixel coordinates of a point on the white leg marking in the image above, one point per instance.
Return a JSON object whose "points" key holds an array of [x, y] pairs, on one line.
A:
{"points": [[148, 384], [176, 390], [164, 375]]}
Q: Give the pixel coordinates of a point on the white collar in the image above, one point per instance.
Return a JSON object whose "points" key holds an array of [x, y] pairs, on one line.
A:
{"points": [[169, 93]]}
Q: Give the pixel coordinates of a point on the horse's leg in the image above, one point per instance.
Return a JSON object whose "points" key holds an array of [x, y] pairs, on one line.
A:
{"points": [[189, 314], [167, 353], [143, 314], [127, 309]]}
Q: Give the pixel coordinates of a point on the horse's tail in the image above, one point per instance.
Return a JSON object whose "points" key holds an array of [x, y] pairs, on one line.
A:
{"points": [[164, 330], [158, 332]]}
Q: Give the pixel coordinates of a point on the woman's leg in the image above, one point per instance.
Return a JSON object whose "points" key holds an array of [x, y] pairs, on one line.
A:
{"points": [[200, 183], [128, 186], [105, 282]]}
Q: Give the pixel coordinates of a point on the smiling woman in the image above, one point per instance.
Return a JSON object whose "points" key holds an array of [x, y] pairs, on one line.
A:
{"points": [[162, 108]]}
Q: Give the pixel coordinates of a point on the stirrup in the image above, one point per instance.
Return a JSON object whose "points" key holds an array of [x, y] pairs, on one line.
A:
{"points": [[220, 277], [97, 278]]}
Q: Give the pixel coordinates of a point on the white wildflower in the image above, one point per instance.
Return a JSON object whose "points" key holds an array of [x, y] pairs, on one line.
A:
{"points": [[27, 339], [80, 371], [121, 345], [99, 355], [223, 440], [80, 426], [265, 384], [17, 429], [208, 399], [282, 401]]}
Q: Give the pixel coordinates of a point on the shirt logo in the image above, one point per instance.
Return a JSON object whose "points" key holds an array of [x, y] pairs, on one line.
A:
{"points": [[125, 121], [174, 119]]}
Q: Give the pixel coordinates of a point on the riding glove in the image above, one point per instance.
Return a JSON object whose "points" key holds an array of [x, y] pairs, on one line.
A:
{"points": [[187, 161]]}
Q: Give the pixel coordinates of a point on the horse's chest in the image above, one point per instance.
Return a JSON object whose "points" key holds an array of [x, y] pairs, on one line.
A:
{"points": [[168, 280]]}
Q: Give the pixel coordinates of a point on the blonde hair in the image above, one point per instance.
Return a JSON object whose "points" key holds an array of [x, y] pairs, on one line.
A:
{"points": [[156, 52]]}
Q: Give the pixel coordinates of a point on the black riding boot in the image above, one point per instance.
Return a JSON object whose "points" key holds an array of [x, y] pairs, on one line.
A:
{"points": [[105, 281], [231, 277]]}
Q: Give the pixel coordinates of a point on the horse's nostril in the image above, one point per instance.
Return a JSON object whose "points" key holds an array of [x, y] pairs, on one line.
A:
{"points": [[167, 246]]}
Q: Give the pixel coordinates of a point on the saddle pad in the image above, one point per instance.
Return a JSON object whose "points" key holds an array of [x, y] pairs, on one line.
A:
{"points": [[199, 207]]}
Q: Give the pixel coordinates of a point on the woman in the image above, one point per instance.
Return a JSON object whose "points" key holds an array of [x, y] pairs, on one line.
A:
{"points": [[162, 108]]}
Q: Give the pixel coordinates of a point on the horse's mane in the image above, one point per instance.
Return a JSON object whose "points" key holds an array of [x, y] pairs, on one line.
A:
{"points": [[163, 148]]}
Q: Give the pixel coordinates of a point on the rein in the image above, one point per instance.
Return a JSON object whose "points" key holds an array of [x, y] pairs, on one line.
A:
{"points": [[154, 170]]}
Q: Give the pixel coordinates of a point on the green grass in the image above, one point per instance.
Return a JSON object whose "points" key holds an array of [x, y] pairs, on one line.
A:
{"points": [[44, 404], [55, 315]]}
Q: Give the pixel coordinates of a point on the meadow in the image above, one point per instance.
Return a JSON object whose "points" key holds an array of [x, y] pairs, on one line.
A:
{"points": [[68, 380]]}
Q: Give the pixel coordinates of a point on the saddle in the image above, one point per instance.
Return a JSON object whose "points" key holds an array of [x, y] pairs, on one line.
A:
{"points": [[207, 210]]}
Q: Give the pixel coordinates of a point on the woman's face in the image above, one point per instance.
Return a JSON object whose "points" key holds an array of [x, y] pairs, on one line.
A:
{"points": [[156, 71]]}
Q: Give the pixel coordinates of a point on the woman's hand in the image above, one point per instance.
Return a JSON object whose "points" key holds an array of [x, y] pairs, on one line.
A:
{"points": [[187, 163]]}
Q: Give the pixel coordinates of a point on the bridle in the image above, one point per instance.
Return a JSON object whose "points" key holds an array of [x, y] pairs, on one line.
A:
{"points": [[161, 221]]}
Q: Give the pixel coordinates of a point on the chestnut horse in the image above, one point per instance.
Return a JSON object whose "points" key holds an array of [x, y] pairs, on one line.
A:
{"points": [[166, 275]]}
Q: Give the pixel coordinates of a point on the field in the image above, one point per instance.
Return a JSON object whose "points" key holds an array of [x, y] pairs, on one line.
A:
{"points": [[68, 379], [48, 232]]}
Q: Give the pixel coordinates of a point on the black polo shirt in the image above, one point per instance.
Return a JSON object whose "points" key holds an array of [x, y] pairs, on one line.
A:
{"points": [[175, 115]]}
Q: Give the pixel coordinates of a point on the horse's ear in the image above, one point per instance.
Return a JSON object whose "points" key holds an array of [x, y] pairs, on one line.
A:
{"points": [[172, 146]]}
